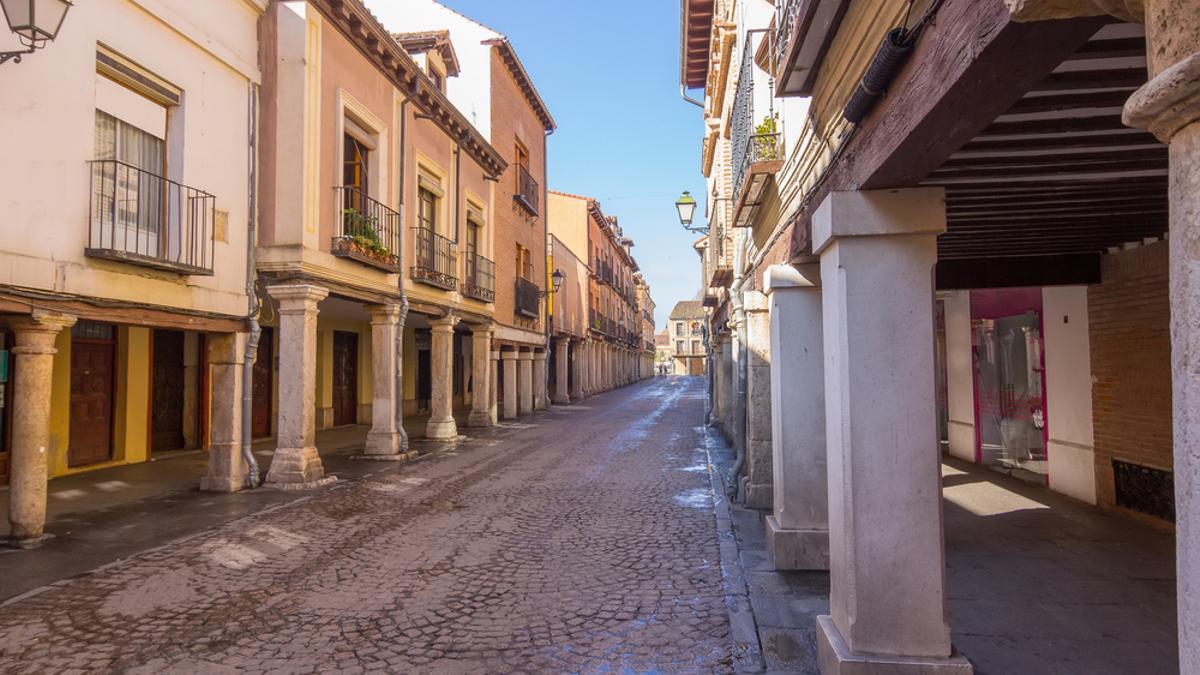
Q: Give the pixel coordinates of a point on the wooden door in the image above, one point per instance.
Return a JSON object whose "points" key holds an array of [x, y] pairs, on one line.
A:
{"points": [[424, 378], [166, 392], [345, 378], [93, 361], [264, 366]]}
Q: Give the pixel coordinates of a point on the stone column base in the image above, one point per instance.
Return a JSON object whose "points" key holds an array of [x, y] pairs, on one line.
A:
{"points": [[560, 400], [834, 657], [297, 468], [758, 495], [479, 419], [226, 470], [577, 397], [797, 549], [382, 443], [441, 430]]}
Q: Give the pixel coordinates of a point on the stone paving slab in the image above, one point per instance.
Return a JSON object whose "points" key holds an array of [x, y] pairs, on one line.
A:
{"points": [[584, 543]]}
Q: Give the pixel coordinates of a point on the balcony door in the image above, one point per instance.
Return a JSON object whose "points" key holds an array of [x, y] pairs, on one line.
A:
{"points": [[345, 378], [93, 392]]}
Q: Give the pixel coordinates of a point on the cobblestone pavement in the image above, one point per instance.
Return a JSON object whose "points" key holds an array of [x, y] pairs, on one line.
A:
{"points": [[582, 539]]}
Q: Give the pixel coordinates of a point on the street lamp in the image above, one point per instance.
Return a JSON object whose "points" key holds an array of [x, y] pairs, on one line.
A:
{"points": [[35, 22], [556, 280], [686, 206]]}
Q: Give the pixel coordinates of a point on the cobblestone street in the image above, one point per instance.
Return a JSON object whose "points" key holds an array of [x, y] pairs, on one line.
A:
{"points": [[583, 540]]}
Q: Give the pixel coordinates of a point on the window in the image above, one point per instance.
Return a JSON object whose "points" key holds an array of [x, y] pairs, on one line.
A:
{"points": [[695, 346], [439, 80], [136, 182], [679, 328], [426, 209], [679, 347], [355, 156], [524, 263]]}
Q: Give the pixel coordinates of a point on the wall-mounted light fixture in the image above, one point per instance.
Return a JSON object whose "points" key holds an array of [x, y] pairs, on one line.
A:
{"points": [[35, 22]]}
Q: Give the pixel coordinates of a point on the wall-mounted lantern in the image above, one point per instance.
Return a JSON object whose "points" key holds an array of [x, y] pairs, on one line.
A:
{"points": [[35, 22]]}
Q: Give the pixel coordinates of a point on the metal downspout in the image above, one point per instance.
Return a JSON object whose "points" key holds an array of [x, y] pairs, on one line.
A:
{"points": [[398, 398], [253, 478]]}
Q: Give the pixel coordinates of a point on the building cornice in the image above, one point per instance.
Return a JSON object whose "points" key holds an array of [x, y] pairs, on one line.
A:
{"points": [[515, 68], [363, 30]]}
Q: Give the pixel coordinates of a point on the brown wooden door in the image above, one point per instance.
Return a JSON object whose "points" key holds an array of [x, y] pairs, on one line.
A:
{"points": [[264, 365], [345, 378], [93, 363], [166, 392]]}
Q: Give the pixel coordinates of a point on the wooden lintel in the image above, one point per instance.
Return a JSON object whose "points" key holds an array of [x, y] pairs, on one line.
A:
{"points": [[1054, 270]]}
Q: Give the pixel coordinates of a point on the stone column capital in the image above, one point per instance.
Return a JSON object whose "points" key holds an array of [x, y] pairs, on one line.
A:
{"points": [[35, 332], [510, 354], [788, 277], [563, 340], [524, 356], [495, 354], [444, 324], [864, 213], [1168, 102], [384, 315], [296, 298], [477, 328], [540, 355]]}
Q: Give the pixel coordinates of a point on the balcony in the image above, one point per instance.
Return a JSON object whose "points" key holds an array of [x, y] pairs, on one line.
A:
{"points": [[757, 146], [803, 31], [141, 218], [481, 279], [527, 190], [367, 231], [527, 297], [434, 261]]}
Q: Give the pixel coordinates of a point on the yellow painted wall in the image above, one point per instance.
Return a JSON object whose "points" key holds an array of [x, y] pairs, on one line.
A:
{"points": [[60, 405], [567, 219]]}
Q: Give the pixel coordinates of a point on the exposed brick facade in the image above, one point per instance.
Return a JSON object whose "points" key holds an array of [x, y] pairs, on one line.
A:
{"points": [[1129, 319], [515, 121]]}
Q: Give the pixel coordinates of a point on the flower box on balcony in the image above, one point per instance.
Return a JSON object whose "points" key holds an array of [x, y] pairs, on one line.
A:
{"points": [[364, 252]]}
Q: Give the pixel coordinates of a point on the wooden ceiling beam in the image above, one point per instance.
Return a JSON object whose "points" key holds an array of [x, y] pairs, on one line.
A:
{"points": [[1108, 139]]}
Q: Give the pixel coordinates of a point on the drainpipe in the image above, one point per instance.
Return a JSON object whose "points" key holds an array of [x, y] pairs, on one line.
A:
{"points": [[398, 399], [253, 478], [689, 99], [739, 358]]}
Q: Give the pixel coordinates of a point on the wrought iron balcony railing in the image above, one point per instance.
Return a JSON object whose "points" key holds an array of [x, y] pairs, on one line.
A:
{"points": [[527, 296], [786, 13], [527, 190], [145, 219], [434, 260], [481, 279], [367, 231]]}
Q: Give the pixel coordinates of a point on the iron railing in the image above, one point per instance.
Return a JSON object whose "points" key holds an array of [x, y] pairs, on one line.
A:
{"points": [[145, 219], [749, 144], [786, 12], [434, 260], [367, 231], [481, 278], [527, 190], [527, 296]]}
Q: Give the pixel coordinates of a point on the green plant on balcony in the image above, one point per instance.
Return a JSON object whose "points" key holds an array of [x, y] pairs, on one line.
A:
{"points": [[363, 230], [765, 141]]}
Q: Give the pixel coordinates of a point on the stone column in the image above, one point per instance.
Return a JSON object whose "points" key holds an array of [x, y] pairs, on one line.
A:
{"points": [[525, 382], [32, 383], [384, 438], [493, 387], [540, 400], [727, 384], [798, 530], [585, 366], [510, 383], [441, 425], [481, 368], [758, 484], [226, 363], [296, 463], [718, 381], [887, 561], [562, 371], [577, 351]]}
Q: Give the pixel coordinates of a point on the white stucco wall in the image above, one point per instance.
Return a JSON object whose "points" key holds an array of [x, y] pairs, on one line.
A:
{"points": [[1069, 392], [960, 375], [47, 129], [471, 90]]}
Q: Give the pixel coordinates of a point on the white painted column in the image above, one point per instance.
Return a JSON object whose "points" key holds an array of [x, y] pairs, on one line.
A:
{"points": [[525, 382], [481, 371], [296, 462], [226, 360], [540, 400], [384, 439], [798, 530], [33, 382], [960, 375], [441, 425], [562, 370], [758, 485], [510, 383], [887, 559]]}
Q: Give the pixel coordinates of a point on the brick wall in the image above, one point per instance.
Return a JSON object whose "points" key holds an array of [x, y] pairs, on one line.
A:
{"points": [[1129, 315]]}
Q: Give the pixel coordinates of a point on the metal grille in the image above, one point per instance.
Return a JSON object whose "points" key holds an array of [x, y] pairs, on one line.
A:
{"points": [[527, 189], [481, 278], [434, 262], [526, 298], [367, 230]]}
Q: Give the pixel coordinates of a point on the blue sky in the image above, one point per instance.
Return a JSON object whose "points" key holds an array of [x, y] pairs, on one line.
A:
{"points": [[609, 72]]}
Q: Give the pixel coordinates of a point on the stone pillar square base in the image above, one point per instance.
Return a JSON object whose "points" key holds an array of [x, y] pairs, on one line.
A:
{"points": [[441, 430], [479, 419], [797, 549], [226, 469], [835, 658], [297, 468], [383, 443], [758, 496]]}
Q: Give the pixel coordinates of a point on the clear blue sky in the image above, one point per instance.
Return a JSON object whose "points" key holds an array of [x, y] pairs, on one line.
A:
{"points": [[609, 72]]}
